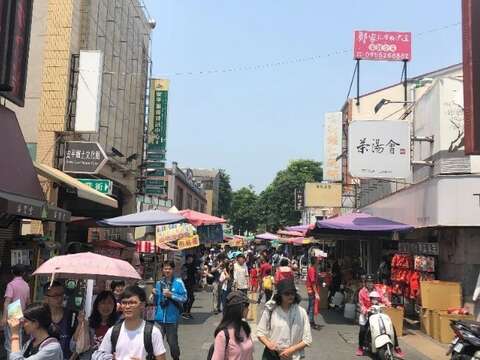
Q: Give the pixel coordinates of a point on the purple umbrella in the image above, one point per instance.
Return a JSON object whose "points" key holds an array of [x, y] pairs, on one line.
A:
{"points": [[358, 221]]}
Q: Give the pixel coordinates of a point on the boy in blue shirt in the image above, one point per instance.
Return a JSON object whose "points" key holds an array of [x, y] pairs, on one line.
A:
{"points": [[170, 295]]}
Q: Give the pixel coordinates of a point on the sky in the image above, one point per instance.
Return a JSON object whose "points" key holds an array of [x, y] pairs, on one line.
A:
{"points": [[232, 107]]}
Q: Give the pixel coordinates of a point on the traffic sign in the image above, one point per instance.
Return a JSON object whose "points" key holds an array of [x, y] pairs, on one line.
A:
{"points": [[83, 157], [104, 186]]}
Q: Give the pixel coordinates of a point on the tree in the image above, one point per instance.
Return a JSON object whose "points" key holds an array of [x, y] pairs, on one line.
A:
{"points": [[276, 203], [243, 212], [224, 194]]}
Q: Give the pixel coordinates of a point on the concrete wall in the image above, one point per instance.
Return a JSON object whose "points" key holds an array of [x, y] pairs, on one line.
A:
{"points": [[459, 258]]}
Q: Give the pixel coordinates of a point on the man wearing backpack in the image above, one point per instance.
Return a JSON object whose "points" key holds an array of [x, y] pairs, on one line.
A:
{"points": [[134, 338], [170, 295]]}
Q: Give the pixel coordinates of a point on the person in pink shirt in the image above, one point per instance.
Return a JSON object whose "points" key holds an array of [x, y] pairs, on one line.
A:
{"points": [[233, 339], [17, 289]]}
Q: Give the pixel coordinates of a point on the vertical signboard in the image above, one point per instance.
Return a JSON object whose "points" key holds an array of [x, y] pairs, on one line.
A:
{"points": [[379, 149], [332, 147], [89, 91], [471, 74], [383, 45], [15, 24], [157, 136]]}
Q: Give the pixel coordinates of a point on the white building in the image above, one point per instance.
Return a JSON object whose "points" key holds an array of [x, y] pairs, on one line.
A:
{"points": [[441, 197]]}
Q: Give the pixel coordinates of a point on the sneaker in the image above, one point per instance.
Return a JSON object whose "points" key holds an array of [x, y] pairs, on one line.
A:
{"points": [[190, 316], [399, 353], [359, 352], [185, 316]]}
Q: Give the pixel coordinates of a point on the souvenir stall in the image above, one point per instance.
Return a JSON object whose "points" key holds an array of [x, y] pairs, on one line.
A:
{"points": [[359, 238], [414, 262]]}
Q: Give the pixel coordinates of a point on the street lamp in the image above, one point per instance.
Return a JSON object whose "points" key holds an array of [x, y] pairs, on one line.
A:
{"points": [[383, 102]]}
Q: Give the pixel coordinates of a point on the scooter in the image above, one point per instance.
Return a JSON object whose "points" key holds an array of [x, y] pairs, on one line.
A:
{"points": [[382, 333], [466, 344]]}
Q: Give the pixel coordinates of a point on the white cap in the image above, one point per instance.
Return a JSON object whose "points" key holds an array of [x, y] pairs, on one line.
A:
{"points": [[374, 294]]}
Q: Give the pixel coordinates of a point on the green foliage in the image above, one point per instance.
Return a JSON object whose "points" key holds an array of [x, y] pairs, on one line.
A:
{"points": [[225, 194], [276, 204], [243, 212]]}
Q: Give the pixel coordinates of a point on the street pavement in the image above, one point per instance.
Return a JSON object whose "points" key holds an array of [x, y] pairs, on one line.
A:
{"points": [[336, 340]]}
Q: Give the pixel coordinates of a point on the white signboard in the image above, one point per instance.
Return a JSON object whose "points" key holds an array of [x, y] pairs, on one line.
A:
{"points": [[332, 147], [89, 91], [379, 149]]}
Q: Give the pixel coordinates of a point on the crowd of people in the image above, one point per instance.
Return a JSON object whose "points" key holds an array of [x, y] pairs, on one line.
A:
{"points": [[117, 329]]}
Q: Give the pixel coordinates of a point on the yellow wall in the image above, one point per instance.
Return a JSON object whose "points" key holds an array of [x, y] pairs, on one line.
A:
{"points": [[209, 196]]}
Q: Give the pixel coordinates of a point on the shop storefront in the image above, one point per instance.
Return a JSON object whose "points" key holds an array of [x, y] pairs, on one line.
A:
{"points": [[21, 197], [445, 211]]}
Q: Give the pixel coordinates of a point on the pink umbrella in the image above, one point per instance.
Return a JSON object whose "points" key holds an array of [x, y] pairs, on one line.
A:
{"points": [[199, 219], [87, 266]]}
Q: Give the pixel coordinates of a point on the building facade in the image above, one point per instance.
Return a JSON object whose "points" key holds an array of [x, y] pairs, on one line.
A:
{"points": [[120, 32], [184, 191], [440, 196], [210, 182]]}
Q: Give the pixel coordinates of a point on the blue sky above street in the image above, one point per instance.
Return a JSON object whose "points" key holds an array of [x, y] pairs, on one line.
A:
{"points": [[252, 120]]}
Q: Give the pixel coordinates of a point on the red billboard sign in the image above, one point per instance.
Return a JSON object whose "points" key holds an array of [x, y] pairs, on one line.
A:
{"points": [[382, 45]]}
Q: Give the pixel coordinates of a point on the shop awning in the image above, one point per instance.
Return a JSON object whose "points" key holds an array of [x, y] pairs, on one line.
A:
{"points": [[358, 221], [20, 192], [83, 191]]}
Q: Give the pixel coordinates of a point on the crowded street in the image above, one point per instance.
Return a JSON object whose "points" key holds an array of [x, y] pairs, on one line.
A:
{"points": [[239, 180]]}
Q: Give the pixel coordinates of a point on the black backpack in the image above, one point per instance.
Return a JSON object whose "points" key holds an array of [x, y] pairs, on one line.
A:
{"points": [[147, 338], [212, 347]]}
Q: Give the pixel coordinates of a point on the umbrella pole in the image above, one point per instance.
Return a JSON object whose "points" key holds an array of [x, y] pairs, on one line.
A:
{"points": [[155, 261]]}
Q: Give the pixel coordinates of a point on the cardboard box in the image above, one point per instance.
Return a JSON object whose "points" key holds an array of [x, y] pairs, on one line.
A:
{"points": [[440, 295], [396, 315], [446, 333], [426, 321], [436, 325]]}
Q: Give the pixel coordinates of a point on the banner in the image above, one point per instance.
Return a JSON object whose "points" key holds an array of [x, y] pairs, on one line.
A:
{"points": [[173, 232], [188, 242], [332, 147]]}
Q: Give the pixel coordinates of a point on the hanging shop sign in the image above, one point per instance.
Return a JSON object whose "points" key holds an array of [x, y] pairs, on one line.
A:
{"points": [[173, 232], [237, 241], [379, 149], [15, 24], [383, 45], [423, 248], [89, 91], [104, 186], [332, 146], [323, 195], [188, 242], [83, 157]]}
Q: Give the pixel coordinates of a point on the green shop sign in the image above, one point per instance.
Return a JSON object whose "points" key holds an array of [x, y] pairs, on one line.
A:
{"points": [[104, 186]]}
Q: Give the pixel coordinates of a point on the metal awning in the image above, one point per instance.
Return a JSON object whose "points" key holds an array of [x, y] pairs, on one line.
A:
{"points": [[21, 195], [83, 191]]}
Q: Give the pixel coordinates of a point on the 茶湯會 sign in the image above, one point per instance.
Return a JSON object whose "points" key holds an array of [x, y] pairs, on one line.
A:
{"points": [[379, 149]]}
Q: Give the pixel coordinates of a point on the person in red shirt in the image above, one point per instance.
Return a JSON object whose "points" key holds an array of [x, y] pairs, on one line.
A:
{"points": [[312, 289], [284, 271], [254, 275], [265, 267]]}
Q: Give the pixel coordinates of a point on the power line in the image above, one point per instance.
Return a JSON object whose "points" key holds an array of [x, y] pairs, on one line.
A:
{"points": [[295, 60]]}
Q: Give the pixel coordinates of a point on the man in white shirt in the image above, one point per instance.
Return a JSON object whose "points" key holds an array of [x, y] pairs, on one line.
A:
{"points": [[129, 340], [240, 274]]}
